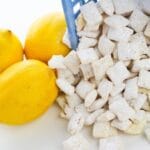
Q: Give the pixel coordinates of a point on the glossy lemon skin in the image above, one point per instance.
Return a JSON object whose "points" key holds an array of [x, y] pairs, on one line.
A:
{"points": [[11, 50], [44, 38], [27, 90]]}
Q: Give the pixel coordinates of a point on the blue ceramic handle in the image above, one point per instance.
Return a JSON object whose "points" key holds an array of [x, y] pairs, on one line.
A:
{"points": [[70, 15]]}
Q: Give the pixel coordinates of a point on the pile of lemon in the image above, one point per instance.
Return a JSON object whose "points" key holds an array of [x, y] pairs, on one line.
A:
{"points": [[27, 86]]}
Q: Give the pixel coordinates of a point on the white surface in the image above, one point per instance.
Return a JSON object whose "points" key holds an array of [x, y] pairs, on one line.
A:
{"points": [[48, 132]]}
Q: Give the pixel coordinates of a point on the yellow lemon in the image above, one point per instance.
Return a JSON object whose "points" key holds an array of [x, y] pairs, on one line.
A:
{"points": [[27, 89], [44, 38], [11, 50]]}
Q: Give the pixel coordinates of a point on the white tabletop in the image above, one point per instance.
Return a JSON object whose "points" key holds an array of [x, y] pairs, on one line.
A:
{"points": [[47, 132]]}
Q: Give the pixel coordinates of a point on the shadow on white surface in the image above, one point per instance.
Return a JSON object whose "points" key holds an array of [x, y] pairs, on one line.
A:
{"points": [[49, 131], [45, 133]]}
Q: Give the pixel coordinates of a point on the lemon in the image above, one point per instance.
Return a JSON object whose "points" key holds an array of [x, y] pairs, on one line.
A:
{"points": [[11, 50], [44, 38], [27, 89]]}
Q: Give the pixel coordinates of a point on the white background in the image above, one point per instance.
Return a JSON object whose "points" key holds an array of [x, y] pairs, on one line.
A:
{"points": [[47, 132], [18, 15]]}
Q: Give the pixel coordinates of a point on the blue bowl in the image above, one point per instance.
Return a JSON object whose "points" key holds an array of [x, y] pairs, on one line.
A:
{"points": [[72, 9]]}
